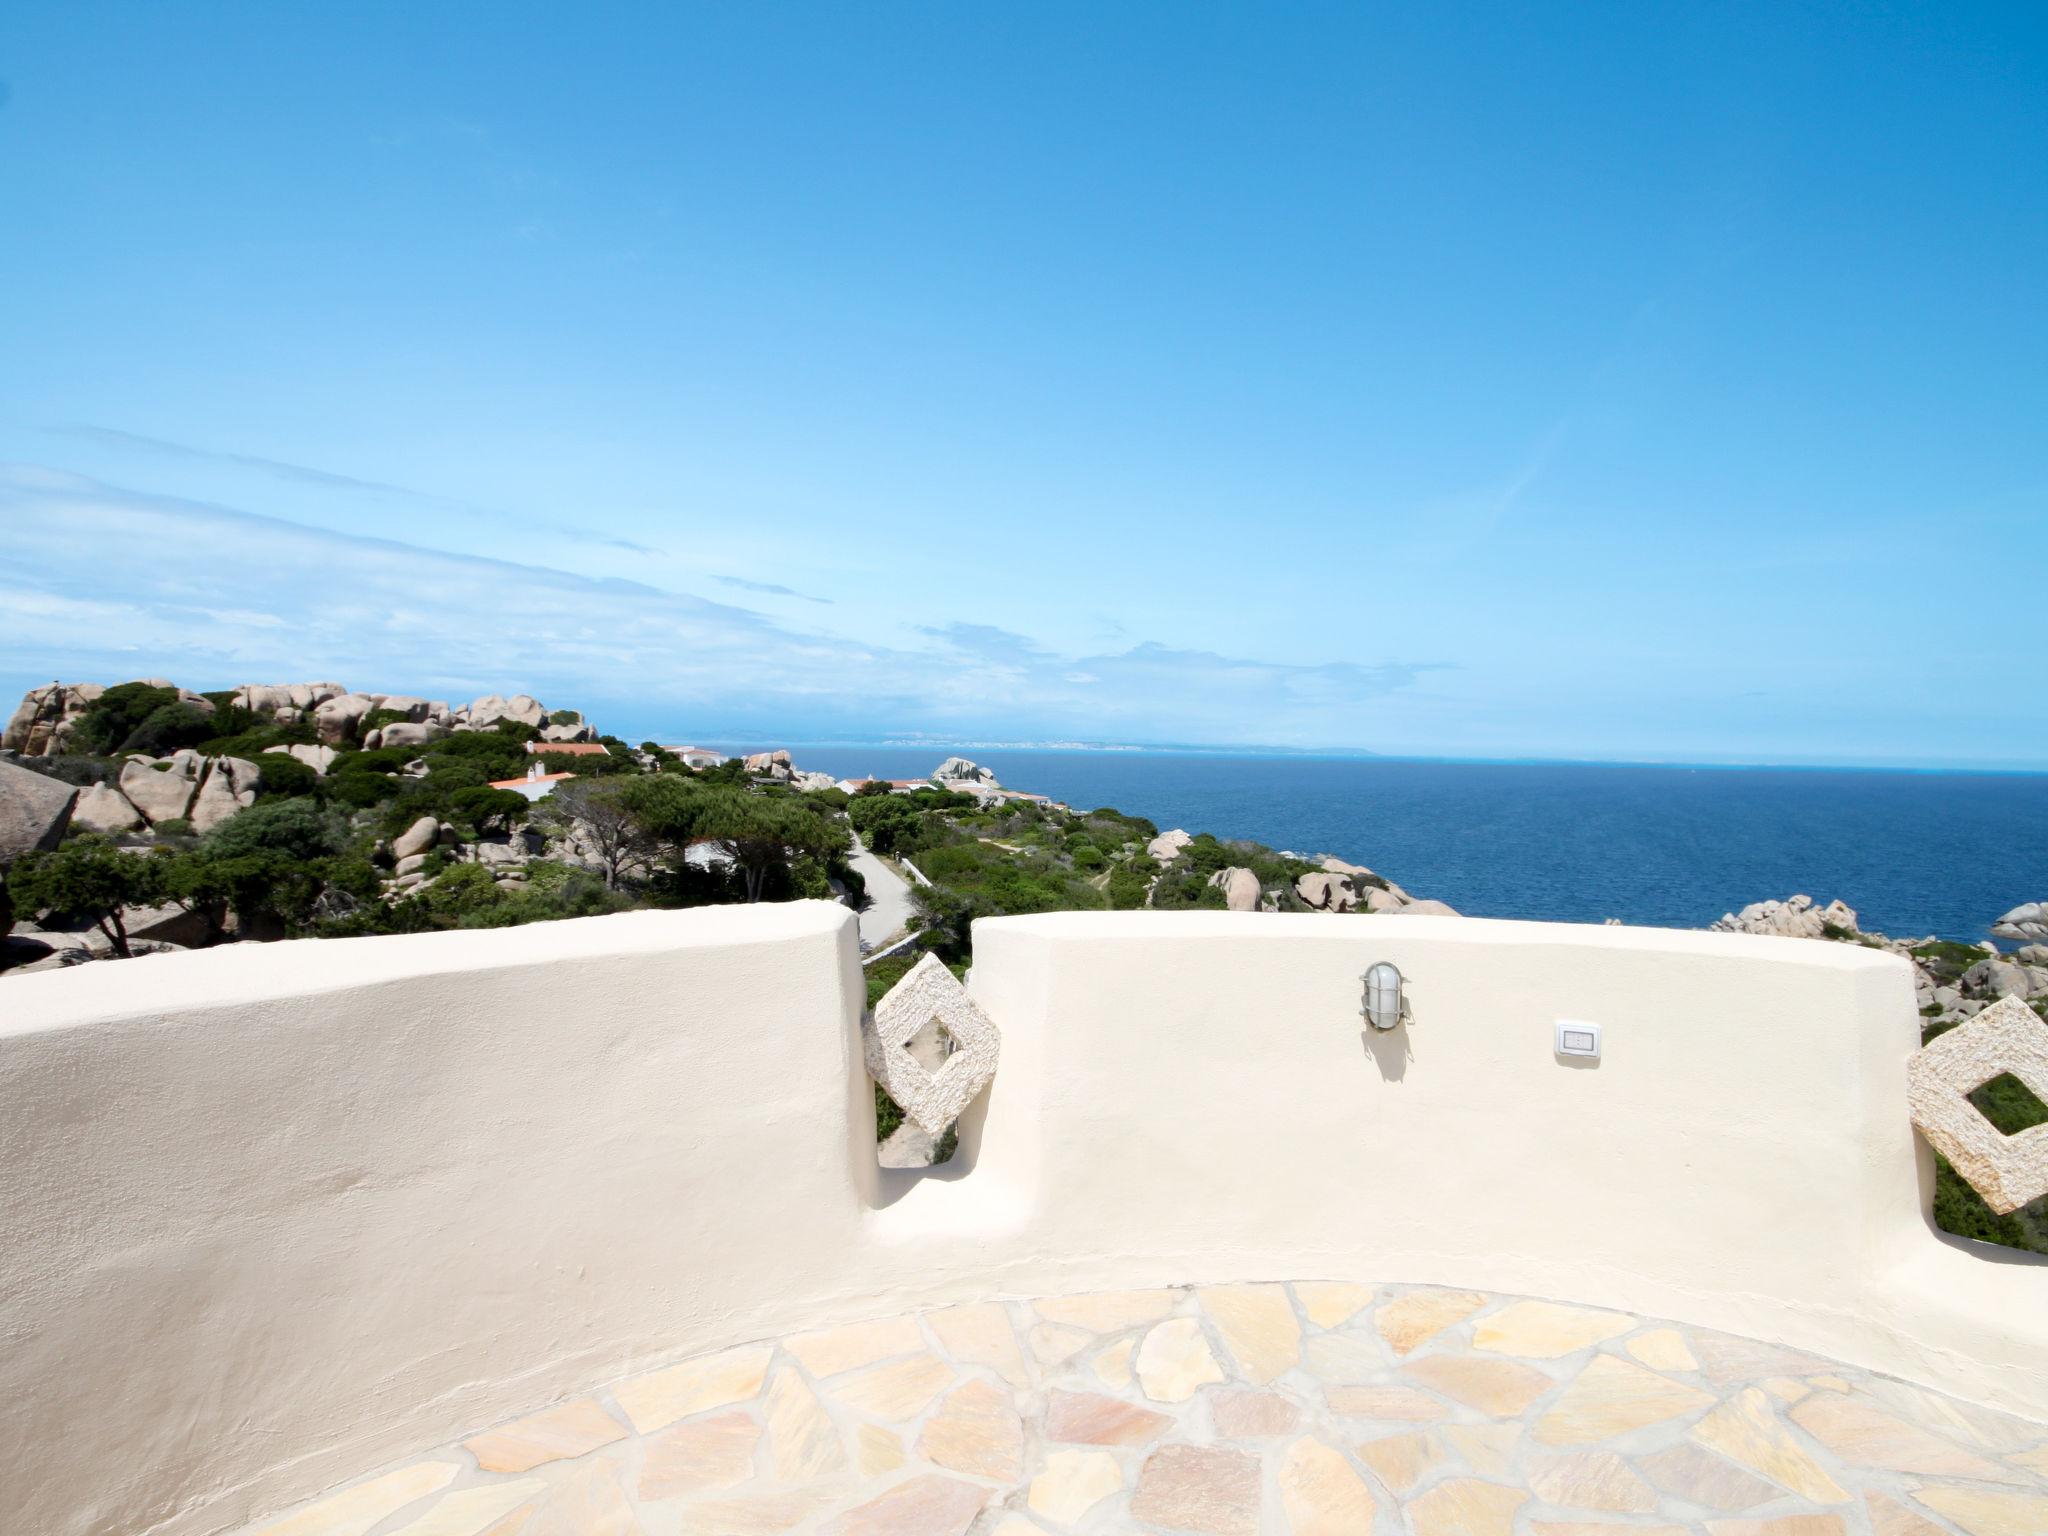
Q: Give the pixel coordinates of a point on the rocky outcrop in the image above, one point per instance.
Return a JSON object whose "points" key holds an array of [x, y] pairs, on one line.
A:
{"points": [[1428, 908], [1328, 892], [339, 720], [771, 765], [319, 759], [521, 708], [416, 839], [1166, 847], [229, 785], [1240, 888], [162, 789], [1795, 918], [43, 722], [35, 810], [104, 809], [807, 780], [569, 733], [956, 771], [286, 702], [2029, 921], [404, 734]]}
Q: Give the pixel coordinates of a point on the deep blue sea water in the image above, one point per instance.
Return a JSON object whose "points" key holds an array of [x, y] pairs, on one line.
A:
{"points": [[1912, 852]]}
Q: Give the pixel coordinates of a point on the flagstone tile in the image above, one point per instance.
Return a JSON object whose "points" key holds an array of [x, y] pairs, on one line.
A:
{"points": [[1347, 1356], [1108, 1311], [578, 1501], [354, 1510], [1407, 1320], [1545, 1330], [975, 1430], [1113, 1366], [1258, 1328], [1745, 1429], [1785, 1389], [829, 1351], [1404, 1462], [2035, 1460], [1987, 1511], [981, 1335], [1596, 1480], [1089, 1418], [1888, 1517], [658, 1399], [1502, 1388], [1868, 1437], [877, 1450], [1321, 1493], [555, 1434], [1331, 1303], [1700, 1477], [1971, 1423], [1781, 1525], [468, 1511], [1073, 1483], [1603, 1528], [1726, 1359], [1384, 1402], [1054, 1344], [1175, 1361], [1663, 1349], [1612, 1397], [1253, 1415], [1488, 1449], [802, 1440], [1199, 1488], [764, 1515], [1465, 1506], [930, 1505], [899, 1390], [700, 1456]]}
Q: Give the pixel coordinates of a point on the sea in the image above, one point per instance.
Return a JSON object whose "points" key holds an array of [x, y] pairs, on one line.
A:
{"points": [[1915, 853]]}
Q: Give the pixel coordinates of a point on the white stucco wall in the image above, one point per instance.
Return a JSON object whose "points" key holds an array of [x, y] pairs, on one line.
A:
{"points": [[272, 1216]]}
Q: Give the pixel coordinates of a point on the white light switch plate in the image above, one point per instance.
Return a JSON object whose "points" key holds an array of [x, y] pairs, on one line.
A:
{"points": [[1578, 1038]]}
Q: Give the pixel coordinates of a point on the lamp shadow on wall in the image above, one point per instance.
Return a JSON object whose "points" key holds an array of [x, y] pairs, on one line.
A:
{"points": [[1390, 1051]]}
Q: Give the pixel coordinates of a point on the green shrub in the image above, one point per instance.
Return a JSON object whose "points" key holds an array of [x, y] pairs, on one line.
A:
{"points": [[565, 717], [285, 777]]}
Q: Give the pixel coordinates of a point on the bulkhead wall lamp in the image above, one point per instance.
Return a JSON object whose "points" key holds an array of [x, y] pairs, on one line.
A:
{"points": [[1383, 1003]]}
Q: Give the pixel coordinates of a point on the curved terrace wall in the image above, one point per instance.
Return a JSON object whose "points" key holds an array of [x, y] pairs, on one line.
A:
{"points": [[271, 1216]]}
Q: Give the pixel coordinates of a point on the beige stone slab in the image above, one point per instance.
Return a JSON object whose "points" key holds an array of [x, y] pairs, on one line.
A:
{"points": [[1612, 1397], [1700, 1477], [1781, 1525], [1404, 1462], [763, 1515], [877, 1450], [1253, 1415], [1746, 1430], [1321, 1494], [557, 1434], [1258, 1327], [1175, 1362], [2035, 1460], [1727, 1359], [1349, 1355], [1488, 1449], [1332, 1303], [469, 1511], [1073, 1483], [898, 1390], [1888, 1517], [1054, 1344], [1502, 1388], [803, 1443], [1408, 1320], [1971, 1424], [1199, 1488], [1663, 1349], [829, 1351], [1593, 1480], [578, 1501], [1108, 1311], [1089, 1418], [981, 1335], [1113, 1365], [701, 1456], [1987, 1511], [1868, 1437], [930, 1505], [1602, 1528], [1384, 1402], [1465, 1506], [354, 1510], [1545, 1330], [658, 1399], [1785, 1389], [977, 1430]]}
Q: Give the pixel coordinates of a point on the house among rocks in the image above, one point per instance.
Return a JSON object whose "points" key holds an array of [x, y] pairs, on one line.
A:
{"points": [[537, 785], [697, 757]]}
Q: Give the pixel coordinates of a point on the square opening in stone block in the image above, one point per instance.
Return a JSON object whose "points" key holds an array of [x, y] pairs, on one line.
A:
{"points": [[932, 1045], [2009, 1104]]}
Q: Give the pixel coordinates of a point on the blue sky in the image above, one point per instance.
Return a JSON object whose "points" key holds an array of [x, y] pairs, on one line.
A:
{"points": [[1593, 381]]}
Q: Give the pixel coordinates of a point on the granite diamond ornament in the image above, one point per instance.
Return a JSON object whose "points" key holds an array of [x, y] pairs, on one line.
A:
{"points": [[2008, 1171], [929, 1047]]}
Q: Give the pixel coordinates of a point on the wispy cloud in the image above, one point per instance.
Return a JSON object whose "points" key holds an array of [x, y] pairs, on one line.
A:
{"points": [[303, 474], [193, 590], [772, 589]]}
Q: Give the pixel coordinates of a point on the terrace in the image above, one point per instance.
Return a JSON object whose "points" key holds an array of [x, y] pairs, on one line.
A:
{"points": [[579, 1229]]}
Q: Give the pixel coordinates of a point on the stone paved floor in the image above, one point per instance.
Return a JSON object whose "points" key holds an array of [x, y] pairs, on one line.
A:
{"points": [[1309, 1409]]}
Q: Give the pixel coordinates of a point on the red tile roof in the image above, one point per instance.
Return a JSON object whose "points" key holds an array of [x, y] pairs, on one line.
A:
{"points": [[581, 748]]}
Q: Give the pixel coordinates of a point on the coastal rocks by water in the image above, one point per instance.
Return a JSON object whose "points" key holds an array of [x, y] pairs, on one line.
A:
{"points": [[1796, 918], [957, 772], [2024, 922], [1327, 892], [1166, 847], [1240, 888], [770, 765]]}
